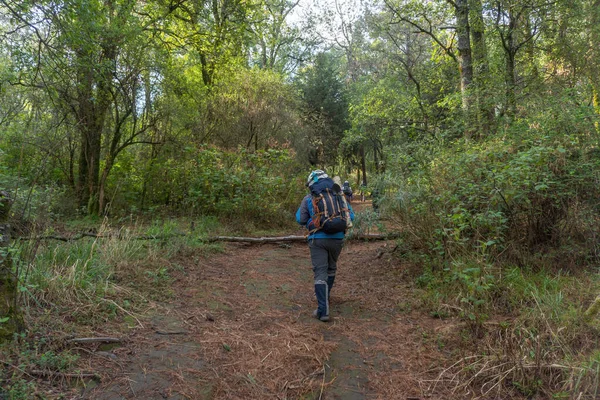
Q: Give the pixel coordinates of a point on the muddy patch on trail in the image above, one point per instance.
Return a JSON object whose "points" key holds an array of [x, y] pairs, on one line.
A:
{"points": [[344, 369], [240, 326]]}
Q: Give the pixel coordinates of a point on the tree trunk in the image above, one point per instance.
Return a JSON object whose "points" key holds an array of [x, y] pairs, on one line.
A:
{"points": [[465, 61], [147, 94], [363, 164], [102, 186], [510, 48], [95, 142], [11, 320], [481, 67], [375, 157], [94, 100], [595, 59], [83, 194], [206, 75]]}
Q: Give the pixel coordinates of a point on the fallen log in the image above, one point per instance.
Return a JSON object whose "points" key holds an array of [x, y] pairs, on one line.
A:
{"points": [[266, 239], [50, 374], [95, 340], [160, 332], [592, 311], [79, 236], [297, 238], [269, 239]]}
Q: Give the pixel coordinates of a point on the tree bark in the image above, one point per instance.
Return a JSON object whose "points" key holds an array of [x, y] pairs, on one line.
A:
{"points": [[206, 73], [465, 61], [363, 165], [11, 319], [595, 58], [94, 101], [510, 48], [481, 67]]}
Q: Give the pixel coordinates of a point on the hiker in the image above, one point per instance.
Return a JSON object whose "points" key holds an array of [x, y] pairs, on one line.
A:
{"points": [[326, 215], [347, 191]]}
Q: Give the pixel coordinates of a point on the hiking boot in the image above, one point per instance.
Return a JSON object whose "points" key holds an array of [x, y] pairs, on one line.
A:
{"points": [[323, 318], [330, 281], [321, 292]]}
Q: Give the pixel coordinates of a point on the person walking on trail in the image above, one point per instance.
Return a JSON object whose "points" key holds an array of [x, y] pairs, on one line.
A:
{"points": [[347, 191], [327, 216]]}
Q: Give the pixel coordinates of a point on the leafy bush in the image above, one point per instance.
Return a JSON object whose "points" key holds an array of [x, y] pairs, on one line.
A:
{"points": [[507, 227], [505, 198], [33, 204], [248, 185]]}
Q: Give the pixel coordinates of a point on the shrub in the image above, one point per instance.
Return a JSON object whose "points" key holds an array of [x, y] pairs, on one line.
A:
{"points": [[507, 198], [243, 184]]}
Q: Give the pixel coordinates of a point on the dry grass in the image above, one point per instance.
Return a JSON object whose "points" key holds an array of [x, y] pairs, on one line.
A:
{"points": [[515, 360], [238, 326]]}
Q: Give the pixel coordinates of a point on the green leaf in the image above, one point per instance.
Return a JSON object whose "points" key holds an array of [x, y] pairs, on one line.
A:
{"points": [[474, 270]]}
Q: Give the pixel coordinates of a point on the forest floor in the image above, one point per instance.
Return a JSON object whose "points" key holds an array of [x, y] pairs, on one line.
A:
{"points": [[239, 325]]}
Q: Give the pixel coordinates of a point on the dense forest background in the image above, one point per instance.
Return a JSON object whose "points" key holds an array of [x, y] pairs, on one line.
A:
{"points": [[191, 107], [473, 124]]}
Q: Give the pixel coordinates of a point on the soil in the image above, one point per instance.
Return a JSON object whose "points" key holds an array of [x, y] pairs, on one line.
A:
{"points": [[239, 325]]}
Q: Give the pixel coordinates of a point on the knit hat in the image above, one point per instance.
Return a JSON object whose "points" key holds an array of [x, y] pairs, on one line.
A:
{"points": [[315, 176]]}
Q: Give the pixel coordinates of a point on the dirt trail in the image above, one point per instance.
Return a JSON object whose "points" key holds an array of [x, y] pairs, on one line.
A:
{"points": [[239, 326]]}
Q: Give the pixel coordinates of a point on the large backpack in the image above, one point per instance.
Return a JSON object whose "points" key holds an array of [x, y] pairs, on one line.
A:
{"points": [[330, 211], [347, 190]]}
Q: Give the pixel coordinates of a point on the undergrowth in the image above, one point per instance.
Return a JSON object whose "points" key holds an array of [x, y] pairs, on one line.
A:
{"points": [[90, 286], [505, 234]]}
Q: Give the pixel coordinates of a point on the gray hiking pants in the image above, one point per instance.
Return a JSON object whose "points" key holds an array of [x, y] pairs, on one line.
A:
{"points": [[324, 254]]}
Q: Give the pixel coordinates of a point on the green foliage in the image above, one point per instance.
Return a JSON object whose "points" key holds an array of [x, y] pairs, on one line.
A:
{"points": [[20, 389], [505, 197], [52, 361], [365, 222], [253, 109], [325, 107], [245, 185], [28, 353]]}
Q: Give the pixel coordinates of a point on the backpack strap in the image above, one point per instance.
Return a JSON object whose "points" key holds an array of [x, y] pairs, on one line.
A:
{"points": [[316, 217]]}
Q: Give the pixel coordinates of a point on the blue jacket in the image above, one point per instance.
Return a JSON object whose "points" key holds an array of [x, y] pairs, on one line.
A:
{"points": [[304, 217]]}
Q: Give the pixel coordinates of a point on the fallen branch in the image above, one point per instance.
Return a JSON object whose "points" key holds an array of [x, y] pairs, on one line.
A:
{"points": [[95, 340], [79, 236], [296, 238], [80, 375], [592, 311], [171, 332], [271, 239]]}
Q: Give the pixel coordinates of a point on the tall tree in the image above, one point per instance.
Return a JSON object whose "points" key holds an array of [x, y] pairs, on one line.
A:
{"points": [[594, 60], [11, 320], [463, 33], [326, 106], [481, 66], [88, 63], [279, 45], [216, 31], [433, 20]]}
